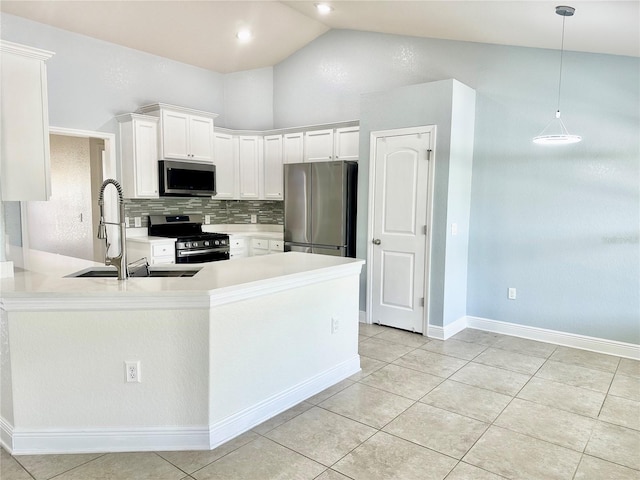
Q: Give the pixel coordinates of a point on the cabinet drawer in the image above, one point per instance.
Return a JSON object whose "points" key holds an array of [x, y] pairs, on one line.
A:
{"points": [[163, 250], [276, 245], [237, 243], [260, 244], [162, 260]]}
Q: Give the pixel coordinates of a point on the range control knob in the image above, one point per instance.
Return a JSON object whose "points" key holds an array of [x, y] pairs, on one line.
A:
{"points": [[217, 242], [206, 243], [187, 244]]}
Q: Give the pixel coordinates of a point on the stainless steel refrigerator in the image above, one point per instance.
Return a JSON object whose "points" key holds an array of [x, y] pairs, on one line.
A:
{"points": [[320, 207]]}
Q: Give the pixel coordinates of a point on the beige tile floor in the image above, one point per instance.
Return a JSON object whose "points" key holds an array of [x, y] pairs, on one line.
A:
{"points": [[477, 406]]}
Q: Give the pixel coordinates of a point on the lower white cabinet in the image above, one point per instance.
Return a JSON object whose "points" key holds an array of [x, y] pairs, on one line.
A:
{"points": [[157, 252], [264, 246], [238, 247]]}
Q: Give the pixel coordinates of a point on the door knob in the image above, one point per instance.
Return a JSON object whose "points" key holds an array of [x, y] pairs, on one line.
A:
{"points": [[376, 241]]}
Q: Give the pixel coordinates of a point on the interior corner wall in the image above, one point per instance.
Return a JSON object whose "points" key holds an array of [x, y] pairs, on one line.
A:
{"points": [[460, 163], [248, 99], [91, 81]]}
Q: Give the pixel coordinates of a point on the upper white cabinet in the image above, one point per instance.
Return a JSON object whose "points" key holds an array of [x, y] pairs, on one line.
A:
{"points": [[318, 146], [293, 147], [347, 143], [332, 144], [24, 116], [185, 134], [251, 172], [139, 155], [226, 162], [273, 174]]}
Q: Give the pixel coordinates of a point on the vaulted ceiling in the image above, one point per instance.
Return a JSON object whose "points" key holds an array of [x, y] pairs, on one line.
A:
{"points": [[203, 33]]}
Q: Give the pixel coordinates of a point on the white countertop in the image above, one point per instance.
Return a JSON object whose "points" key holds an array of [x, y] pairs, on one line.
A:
{"points": [[44, 281]]}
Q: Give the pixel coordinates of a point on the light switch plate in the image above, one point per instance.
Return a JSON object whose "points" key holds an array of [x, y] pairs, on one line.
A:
{"points": [[137, 222]]}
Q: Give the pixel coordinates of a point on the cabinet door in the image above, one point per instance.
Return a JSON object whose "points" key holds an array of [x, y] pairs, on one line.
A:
{"points": [[226, 162], [347, 141], [146, 159], [175, 135], [25, 124], [293, 148], [250, 167], [318, 146], [273, 167], [201, 139]]}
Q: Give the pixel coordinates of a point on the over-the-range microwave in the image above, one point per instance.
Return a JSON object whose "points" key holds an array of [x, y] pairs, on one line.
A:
{"points": [[186, 179]]}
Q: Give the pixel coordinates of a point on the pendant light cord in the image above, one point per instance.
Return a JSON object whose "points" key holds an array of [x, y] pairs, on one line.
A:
{"points": [[561, 56]]}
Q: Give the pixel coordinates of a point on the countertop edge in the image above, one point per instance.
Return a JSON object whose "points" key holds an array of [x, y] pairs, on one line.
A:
{"points": [[122, 300]]}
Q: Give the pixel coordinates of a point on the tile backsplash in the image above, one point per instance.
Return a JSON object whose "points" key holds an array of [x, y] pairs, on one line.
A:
{"points": [[230, 212]]}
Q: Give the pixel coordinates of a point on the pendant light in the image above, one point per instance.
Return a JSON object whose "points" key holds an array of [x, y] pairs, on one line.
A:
{"points": [[555, 133]]}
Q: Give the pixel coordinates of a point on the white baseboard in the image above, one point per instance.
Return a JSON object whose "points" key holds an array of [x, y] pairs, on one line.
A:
{"points": [[139, 439], [600, 345], [448, 331], [233, 426]]}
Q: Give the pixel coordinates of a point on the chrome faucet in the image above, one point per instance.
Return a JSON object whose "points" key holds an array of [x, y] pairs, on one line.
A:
{"points": [[119, 261]]}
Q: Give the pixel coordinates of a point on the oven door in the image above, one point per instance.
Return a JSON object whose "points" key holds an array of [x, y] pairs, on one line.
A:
{"points": [[202, 255]]}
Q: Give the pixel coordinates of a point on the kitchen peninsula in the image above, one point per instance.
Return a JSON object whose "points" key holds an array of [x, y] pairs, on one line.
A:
{"points": [[218, 352]]}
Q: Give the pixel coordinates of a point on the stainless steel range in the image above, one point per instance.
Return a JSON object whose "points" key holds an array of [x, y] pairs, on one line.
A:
{"points": [[192, 244]]}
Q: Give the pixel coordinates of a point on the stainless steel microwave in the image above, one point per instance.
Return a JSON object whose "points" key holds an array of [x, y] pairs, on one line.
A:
{"points": [[186, 179]]}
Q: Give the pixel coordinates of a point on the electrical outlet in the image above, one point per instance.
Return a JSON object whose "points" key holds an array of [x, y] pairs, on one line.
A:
{"points": [[335, 325], [254, 218], [137, 221], [512, 293], [126, 222], [207, 219], [132, 372]]}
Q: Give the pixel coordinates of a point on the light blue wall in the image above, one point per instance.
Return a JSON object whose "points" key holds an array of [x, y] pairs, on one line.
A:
{"points": [[559, 224], [91, 81], [248, 99]]}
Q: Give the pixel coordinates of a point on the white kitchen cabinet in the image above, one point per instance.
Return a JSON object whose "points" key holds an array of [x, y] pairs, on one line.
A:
{"points": [[293, 147], [250, 166], [265, 246], [347, 143], [139, 155], [226, 162], [238, 247], [318, 145], [24, 116], [156, 250], [184, 134], [273, 174]]}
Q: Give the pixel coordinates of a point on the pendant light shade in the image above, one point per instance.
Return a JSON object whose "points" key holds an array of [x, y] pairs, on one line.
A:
{"points": [[555, 133]]}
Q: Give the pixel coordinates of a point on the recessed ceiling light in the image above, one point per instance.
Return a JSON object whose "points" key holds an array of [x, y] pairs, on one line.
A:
{"points": [[323, 8], [244, 35]]}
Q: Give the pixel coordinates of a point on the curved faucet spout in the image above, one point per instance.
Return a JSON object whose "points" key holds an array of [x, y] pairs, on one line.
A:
{"points": [[119, 261]]}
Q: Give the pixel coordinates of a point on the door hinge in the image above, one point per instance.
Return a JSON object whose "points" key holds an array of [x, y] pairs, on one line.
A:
{"points": [[422, 302], [429, 154], [424, 230]]}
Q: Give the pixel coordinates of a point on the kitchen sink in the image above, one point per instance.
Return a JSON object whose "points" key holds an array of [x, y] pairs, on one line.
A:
{"points": [[104, 272]]}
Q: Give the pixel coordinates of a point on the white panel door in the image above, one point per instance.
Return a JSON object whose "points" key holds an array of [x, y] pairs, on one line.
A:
{"points": [[273, 174], [175, 135], [347, 142], [250, 163], [318, 146], [226, 162], [146, 158], [201, 139], [401, 182], [293, 147]]}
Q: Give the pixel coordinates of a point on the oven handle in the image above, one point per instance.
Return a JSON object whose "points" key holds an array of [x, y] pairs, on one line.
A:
{"points": [[201, 252]]}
